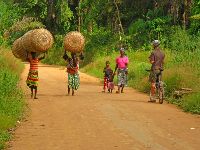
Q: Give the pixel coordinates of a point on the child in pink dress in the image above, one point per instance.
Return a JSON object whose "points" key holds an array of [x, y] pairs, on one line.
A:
{"points": [[111, 84], [107, 70]]}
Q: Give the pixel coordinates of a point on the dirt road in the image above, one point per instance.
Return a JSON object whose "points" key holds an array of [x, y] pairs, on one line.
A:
{"points": [[92, 120]]}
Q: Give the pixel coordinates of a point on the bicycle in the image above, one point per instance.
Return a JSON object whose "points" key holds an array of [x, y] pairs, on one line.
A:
{"points": [[159, 88]]}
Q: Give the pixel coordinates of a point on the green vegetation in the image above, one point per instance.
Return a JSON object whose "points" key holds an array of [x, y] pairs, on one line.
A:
{"points": [[11, 97], [128, 23]]}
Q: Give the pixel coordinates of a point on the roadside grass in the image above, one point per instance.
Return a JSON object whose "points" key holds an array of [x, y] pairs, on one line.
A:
{"points": [[11, 97], [191, 103]]}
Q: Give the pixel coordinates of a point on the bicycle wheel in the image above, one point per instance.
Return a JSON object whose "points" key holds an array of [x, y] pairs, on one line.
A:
{"points": [[151, 98]]}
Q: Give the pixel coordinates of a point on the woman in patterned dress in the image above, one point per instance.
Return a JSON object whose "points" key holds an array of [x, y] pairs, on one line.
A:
{"points": [[122, 70], [72, 70], [32, 79]]}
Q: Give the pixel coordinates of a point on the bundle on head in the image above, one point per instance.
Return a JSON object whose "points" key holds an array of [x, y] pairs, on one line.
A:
{"points": [[18, 50], [37, 40], [74, 42]]}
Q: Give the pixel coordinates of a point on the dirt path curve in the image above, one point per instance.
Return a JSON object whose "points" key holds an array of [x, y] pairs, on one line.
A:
{"points": [[92, 120]]}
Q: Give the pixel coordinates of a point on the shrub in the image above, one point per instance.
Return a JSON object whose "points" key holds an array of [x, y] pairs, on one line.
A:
{"points": [[191, 103]]}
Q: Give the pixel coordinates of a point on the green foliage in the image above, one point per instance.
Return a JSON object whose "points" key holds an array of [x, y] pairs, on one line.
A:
{"points": [[4, 136], [196, 8], [100, 37], [11, 98], [191, 103], [21, 27], [136, 26], [95, 12], [173, 83], [196, 17], [181, 41], [142, 21], [8, 15], [95, 44], [137, 31], [11, 24], [144, 31], [66, 16], [34, 8], [54, 55]]}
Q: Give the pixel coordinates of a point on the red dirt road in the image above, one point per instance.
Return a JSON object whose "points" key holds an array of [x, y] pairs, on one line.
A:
{"points": [[92, 120]]}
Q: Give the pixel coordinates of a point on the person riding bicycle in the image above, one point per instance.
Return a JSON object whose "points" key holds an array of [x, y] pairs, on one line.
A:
{"points": [[157, 60]]}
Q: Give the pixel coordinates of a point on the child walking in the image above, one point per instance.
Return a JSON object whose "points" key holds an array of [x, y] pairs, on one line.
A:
{"points": [[107, 72], [32, 79], [111, 84]]}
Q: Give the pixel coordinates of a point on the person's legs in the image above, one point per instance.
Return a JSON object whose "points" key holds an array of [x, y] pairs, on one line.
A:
{"points": [[119, 87], [32, 83], [119, 78], [122, 90], [123, 80], [105, 85], [31, 92], [75, 83], [153, 89], [70, 80], [68, 90], [35, 97], [152, 79]]}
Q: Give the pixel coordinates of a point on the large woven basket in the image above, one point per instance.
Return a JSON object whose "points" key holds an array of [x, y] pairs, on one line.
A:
{"points": [[37, 40], [18, 50], [74, 42]]}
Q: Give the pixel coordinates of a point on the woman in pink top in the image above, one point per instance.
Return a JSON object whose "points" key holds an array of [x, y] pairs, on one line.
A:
{"points": [[122, 70]]}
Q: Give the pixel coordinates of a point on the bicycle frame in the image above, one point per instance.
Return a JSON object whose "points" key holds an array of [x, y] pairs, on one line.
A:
{"points": [[159, 88]]}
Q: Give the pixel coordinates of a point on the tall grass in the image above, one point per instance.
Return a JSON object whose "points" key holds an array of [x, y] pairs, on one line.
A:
{"points": [[191, 103], [11, 96]]}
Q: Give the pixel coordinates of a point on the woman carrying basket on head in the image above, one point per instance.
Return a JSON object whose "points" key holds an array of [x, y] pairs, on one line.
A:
{"points": [[32, 79], [72, 70]]}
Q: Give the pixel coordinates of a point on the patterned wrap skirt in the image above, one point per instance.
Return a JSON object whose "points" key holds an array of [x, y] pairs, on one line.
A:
{"points": [[122, 77], [32, 79], [73, 81]]}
